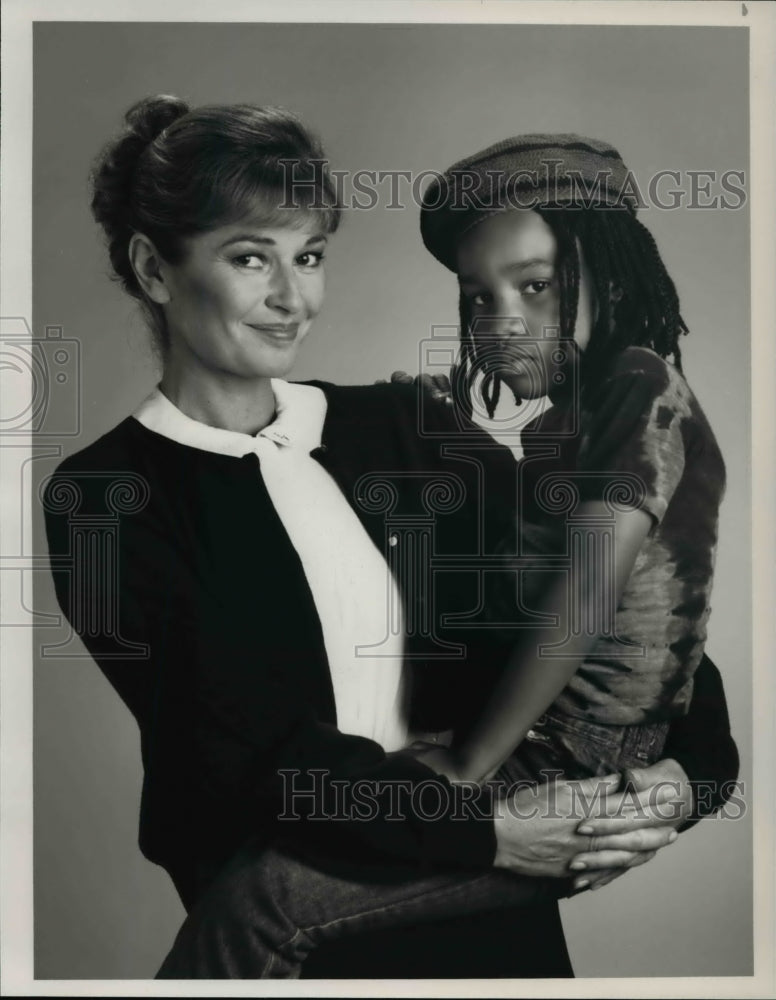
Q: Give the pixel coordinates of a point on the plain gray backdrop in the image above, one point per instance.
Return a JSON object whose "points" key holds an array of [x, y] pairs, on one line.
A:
{"points": [[403, 98]]}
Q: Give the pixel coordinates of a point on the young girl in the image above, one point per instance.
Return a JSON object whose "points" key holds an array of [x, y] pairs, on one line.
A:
{"points": [[563, 293]]}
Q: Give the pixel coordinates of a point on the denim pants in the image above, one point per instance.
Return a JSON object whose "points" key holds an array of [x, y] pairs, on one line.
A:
{"points": [[559, 743], [265, 913]]}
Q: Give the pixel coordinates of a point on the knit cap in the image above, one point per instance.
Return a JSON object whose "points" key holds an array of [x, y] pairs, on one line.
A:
{"points": [[524, 171]]}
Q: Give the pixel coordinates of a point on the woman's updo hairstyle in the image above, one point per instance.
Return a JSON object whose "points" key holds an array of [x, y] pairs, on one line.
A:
{"points": [[174, 172]]}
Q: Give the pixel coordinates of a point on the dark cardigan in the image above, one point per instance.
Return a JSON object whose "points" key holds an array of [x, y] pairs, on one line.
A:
{"points": [[173, 566]]}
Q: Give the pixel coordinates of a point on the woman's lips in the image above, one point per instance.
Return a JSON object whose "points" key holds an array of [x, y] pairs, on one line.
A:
{"points": [[276, 332]]}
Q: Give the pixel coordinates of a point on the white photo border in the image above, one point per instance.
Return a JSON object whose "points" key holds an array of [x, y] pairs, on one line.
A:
{"points": [[16, 915]]}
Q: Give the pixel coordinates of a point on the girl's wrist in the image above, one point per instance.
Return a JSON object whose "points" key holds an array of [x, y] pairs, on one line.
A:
{"points": [[471, 766]]}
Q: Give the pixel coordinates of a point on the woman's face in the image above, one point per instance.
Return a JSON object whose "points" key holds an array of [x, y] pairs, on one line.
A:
{"points": [[243, 298], [507, 274]]}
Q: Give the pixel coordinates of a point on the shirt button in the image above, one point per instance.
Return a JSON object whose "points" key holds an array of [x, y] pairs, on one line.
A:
{"points": [[393, 541]]}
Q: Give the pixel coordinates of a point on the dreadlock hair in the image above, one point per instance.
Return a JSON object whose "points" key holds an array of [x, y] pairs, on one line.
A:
{"points": [[621, 255]]}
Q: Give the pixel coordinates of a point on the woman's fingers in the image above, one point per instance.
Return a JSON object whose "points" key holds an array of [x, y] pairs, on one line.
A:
{"points": [[644, 839], [600, 860], [664, 814], [657, 806], [595, 879], [617, 850], [437, 386], [598, 878], [596, 790], [631, 821], [441, 385]]}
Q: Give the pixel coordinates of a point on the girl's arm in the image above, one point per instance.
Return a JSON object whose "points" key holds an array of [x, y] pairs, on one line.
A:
{"points": [[532, 681]]}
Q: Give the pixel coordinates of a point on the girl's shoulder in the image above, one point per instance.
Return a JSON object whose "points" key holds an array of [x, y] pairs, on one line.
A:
{"points": [[635, 361], [644, 376]]}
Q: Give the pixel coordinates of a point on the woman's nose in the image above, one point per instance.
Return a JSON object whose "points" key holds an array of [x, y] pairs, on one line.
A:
{"points": [[284, 292]]}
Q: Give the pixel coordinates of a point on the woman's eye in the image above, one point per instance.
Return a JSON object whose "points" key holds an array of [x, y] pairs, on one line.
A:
{"points": [[310, 259], [480, 299], [250, 260]]}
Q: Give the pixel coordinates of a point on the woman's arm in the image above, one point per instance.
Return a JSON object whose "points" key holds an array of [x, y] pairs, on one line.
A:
{"points": [[226, 737], [702, 745]]}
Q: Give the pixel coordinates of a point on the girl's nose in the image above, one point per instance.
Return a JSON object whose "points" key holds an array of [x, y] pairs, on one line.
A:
{"points": [[501, 327]]}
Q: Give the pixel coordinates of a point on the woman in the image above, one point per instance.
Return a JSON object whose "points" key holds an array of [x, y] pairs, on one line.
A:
{"points": [[250, 568]]}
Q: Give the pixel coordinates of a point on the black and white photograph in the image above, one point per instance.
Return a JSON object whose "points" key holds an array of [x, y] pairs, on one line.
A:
{"points": [[388, 498]]}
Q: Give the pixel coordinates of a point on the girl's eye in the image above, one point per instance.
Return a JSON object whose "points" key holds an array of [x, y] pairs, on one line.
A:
{"points": [[536, 286], [480, 299], [310, 259]]}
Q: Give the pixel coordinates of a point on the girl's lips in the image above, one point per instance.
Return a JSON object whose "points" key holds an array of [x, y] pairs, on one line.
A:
{"points": [[519, 362]]}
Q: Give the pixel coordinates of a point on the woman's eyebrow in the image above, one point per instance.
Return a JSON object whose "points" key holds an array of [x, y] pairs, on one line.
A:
{"points": [[521, 265], [267, 240]]}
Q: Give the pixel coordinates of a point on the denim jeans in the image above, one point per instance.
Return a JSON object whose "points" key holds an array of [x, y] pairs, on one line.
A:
{"points": [[580, 749], [265, 913], [271, 906]]}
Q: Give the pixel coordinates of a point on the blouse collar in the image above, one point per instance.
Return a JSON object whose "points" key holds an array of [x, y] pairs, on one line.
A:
{"points": [[298, 424]]}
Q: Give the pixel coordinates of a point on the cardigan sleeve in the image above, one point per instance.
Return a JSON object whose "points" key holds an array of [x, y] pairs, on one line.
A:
{"points": [[231, 750], [702, 743]]}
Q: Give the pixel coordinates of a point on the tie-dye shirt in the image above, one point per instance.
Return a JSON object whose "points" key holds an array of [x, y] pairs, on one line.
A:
{"points": [[640, 438]]}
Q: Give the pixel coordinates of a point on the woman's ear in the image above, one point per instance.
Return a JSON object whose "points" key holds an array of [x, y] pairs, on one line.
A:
{"points": [[147, 264]]}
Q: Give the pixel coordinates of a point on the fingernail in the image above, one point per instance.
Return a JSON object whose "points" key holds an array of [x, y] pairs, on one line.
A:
{"points": [[578, 866], [594, 887], [672, 836], [586, 831], [582, 883]]}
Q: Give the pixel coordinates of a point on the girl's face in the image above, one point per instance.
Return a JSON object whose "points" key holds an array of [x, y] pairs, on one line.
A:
{"points": [[507, 274], [243, 298]]}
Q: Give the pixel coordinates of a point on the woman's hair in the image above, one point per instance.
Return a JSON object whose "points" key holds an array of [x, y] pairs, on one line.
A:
{"points": [[621, 255], [174, 172]]}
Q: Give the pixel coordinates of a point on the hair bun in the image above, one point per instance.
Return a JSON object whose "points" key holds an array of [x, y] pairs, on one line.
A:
{"points": [[114, 172], [150, 116]]}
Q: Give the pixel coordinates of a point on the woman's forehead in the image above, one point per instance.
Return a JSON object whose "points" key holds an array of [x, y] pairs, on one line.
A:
{"points": [[279, 210], [261, 217]]}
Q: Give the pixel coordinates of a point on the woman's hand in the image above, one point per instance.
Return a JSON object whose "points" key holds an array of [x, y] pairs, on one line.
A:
{"points": [[656, 797], [437, 386], [537, 830]]}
